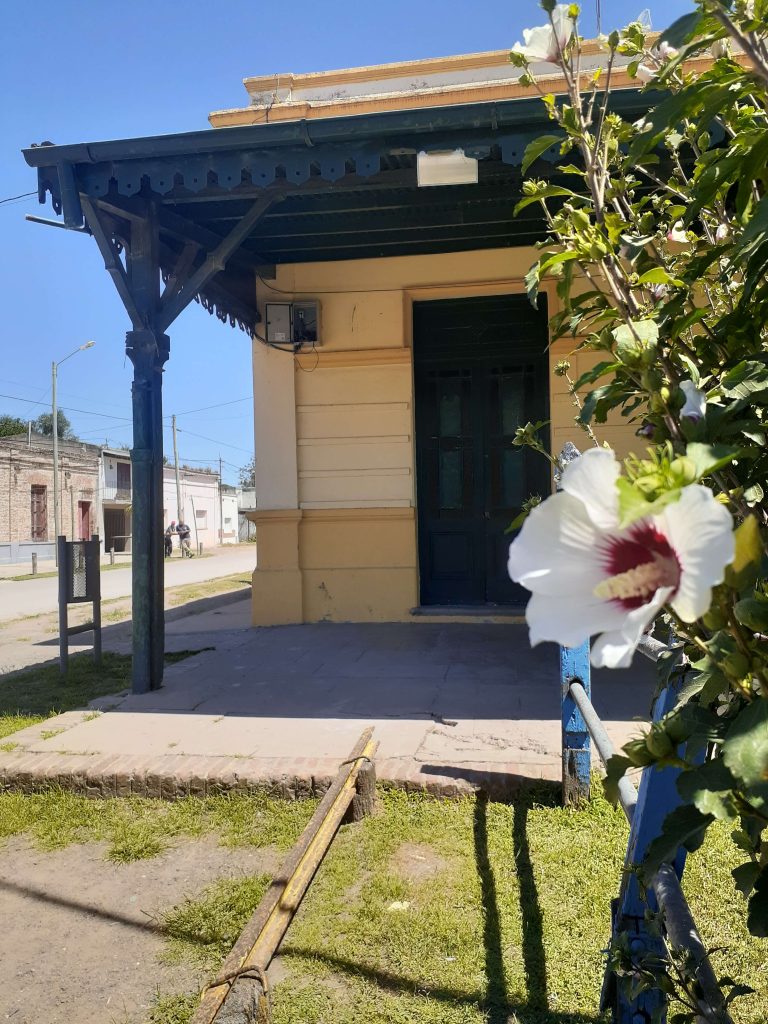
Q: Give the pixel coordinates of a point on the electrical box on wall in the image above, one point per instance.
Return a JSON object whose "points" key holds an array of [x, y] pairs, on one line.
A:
{"points": [[293, 323]]}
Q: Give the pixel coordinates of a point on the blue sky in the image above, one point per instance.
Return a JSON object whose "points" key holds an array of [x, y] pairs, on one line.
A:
{"points": [[83, 71]]}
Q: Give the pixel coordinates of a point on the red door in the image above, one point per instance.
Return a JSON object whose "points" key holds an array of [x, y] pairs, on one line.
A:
{"points": [[84, 520]]}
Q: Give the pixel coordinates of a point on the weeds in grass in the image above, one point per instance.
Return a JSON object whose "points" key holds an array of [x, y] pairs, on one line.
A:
{"points": [[204, 930], [172, 1009], [10, 723], [48, 734], [8, 747]]}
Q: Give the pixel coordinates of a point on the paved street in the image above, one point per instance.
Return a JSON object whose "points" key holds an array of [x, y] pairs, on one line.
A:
{"points": [[31, 597]]}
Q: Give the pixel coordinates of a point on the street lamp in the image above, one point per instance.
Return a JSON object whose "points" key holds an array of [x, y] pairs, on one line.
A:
{"points": [[55, 426]]}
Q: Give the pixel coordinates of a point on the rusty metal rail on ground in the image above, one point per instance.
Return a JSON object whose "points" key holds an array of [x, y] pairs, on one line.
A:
{"points": [[241, 985]]}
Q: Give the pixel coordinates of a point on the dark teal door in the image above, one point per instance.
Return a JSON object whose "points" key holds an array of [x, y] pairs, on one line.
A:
{"points": [[480, 368]]}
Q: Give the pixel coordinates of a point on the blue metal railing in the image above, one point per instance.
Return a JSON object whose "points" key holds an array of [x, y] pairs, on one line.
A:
{"points": [[646, 808]]}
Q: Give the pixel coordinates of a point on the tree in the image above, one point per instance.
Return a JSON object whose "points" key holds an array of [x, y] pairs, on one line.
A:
{"points": [[248, 473], [658, 244], [44, 425], [10, 425]]}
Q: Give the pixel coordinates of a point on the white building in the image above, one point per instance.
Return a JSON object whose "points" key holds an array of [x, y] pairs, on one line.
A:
{"points": [[200, 504], [116, 496]]}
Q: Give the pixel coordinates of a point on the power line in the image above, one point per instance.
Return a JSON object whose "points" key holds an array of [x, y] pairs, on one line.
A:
{"points": [[12, 199], [214, 440], [85, 412], [205, 408]]}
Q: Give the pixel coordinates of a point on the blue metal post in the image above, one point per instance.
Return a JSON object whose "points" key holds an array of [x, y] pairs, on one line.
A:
{"points": [[577, 756]]}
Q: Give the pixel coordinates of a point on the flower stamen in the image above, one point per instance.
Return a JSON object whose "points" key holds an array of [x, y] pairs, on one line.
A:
{"points": [[640, 582]]}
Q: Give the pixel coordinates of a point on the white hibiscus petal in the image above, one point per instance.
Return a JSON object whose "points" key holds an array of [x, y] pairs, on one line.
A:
{"points": [[570, 619], [700, 531], [555, 552], [615, 649], [592, 479]]}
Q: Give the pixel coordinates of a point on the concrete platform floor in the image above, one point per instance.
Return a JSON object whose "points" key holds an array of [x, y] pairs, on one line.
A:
{"points": [[454, 706]]}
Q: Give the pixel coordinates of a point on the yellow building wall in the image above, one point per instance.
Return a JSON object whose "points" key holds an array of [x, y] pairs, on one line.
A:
{"points": [[335, 478]]}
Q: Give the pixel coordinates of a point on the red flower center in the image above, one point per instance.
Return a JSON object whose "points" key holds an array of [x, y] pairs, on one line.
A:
{"points": [[638, 564]]}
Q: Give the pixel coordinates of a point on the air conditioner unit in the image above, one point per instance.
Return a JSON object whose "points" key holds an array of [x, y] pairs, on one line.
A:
{"points": [[293, 323]]}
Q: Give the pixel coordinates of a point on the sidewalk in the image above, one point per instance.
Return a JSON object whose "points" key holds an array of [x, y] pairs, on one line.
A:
{"points": [[454, 707]]}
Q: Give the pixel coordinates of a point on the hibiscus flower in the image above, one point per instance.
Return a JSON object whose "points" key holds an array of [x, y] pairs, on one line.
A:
{"points": [[695, 406], [588, 576], [546, 42]]}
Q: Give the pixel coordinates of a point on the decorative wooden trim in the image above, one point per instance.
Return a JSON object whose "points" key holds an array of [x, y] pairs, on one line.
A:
{"points": [[338, 515]]}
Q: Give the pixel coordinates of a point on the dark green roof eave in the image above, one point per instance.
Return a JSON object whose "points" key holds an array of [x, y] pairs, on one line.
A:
{"points": [[518, 113]]}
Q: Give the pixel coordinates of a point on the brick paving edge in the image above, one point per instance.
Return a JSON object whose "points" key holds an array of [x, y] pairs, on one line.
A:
{"points": [[174, 776]]}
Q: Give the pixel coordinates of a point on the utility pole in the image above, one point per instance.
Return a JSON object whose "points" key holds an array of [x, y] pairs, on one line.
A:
{"points": [[221, 508], [179, 513], [55, 425]]}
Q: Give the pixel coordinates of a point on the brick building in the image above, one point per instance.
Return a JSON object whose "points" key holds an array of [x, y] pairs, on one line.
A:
{"points": [[26, 494]]}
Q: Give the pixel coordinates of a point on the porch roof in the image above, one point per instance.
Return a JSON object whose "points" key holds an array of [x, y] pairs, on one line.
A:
{"points": [[341, 188]]}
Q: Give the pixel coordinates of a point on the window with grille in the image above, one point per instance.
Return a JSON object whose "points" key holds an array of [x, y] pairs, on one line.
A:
{"points": [[39, 508]]}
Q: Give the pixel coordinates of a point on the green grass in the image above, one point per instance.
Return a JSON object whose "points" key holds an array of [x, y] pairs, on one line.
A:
{"points": [[136, 828], [509, 926], [29, 697], [204, 930], [503, 909], [22, 577]]}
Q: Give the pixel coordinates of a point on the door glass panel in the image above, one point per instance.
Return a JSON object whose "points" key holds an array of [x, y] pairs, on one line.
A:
{"points": [[512, 478], [450, 479], [449, 413], [512, 399]]}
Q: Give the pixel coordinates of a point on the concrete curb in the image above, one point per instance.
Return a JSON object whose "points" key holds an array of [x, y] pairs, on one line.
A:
{"points": [[206, 604], [174, 776]]}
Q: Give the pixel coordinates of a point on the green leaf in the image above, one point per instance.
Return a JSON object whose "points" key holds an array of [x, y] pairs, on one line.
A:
{"points": [[685, 826], [534, 149], [746, 378], [745, 876], [748, 554], [745, 750], [680, 31], [615, 770], [757, 918], [709, 789], [708, 458], [752, 612], [658, 275], [636, 342], [633, 505], [548, 192], [532, 282]]}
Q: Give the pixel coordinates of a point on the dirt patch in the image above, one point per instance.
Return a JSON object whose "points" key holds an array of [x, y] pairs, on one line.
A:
{"points": [[417, 862], [81, 939]]}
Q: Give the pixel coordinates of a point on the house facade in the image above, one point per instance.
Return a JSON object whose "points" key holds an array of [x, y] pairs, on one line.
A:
{"points": [[386, 475], [200, 504], [117, 495], [27, 524]]}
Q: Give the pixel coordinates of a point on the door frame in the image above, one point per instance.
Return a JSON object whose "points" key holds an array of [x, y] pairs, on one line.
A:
{"points": [[465, 290]]}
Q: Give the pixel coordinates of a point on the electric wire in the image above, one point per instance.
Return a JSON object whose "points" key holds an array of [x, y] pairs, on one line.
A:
{"points": [[13, 199]]}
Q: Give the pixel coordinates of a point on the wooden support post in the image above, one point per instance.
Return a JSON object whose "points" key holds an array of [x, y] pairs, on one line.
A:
{"points": [[112, 555], [34, 563], [577, 756], [364, 801], [148, 349]]}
